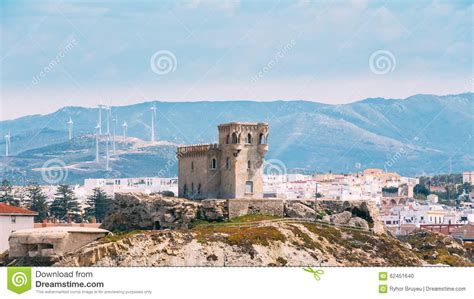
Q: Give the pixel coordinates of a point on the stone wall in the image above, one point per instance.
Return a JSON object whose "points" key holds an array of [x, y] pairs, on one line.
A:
{"points": [[241, 207]]}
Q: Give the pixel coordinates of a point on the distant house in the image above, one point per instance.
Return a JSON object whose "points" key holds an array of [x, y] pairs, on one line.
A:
{"points": [[468, 177], [465, 233], [432, 198], [12, 219]]}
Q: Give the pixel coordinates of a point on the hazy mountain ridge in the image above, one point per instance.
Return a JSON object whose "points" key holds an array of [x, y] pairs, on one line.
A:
{"points": [[422, 132]]}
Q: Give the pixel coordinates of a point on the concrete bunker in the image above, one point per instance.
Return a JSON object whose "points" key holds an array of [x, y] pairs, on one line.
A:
{"points": [[51, 241]]}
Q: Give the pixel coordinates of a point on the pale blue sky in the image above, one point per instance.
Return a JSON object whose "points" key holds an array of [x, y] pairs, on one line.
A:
{"points": [[311, 50]]}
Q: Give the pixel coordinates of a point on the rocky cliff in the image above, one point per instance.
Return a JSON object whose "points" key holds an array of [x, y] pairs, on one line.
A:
{"points": [[268, 244], [156, 231]]}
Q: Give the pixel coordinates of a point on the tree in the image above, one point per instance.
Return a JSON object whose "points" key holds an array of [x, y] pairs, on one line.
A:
{"points": [[420, 190], [99, 205], [38, 202], [6, 195], [465, 187], [65, 206], [450, 191]]}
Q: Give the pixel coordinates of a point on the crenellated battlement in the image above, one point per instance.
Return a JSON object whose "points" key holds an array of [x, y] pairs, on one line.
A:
{"points": [[243, 126], [195, 149]]}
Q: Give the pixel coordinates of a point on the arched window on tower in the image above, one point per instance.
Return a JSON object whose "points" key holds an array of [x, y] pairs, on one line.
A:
{"points": [[213, 163], [185, 190], [192, 166], [249, 164], [248, 140], [234, 138], [227, 139], [227, 163], [261, 139]]}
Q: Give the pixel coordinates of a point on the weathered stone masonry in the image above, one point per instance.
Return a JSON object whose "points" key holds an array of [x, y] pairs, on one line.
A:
{"points": [[230, 169]]}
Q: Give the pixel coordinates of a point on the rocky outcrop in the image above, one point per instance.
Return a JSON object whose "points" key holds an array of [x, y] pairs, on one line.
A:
{"points": [[347, 219], [132, 211], [139, 211], [365, 210], [436, 248], [341, 218], [173, 213], [358, 222], [296, 209], [214, 210], [268, 244]]}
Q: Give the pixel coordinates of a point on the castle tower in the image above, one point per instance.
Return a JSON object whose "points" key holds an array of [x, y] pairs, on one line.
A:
{"points": [[243, 147], [230, 169]]}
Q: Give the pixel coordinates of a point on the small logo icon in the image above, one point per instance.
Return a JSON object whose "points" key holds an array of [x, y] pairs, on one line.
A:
{"points": [[316, 273], [383, 289], [19, 279], [163, 62], [383, 276], [382, 62]]}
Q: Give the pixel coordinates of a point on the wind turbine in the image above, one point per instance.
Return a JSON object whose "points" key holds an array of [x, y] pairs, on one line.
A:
{"points": [[7, 144], [153, 116], [97, 129], [100, 118], [69, 124], [107, 153], [107, 117], [114, 126], [125, 129]]}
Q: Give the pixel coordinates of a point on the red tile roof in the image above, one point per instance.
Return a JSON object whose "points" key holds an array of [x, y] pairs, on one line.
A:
{"points": [[465, 232], [12, 210]]}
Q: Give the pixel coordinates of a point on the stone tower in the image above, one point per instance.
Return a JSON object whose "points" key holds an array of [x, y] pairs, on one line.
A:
{"points": [[230, 169]]}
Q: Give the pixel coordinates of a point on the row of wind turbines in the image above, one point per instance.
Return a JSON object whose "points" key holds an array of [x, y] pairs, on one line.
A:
{"points": [[110, 134]]}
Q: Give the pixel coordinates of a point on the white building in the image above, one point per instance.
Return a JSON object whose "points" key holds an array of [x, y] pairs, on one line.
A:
{"points": [[13, 219], [359, 186], [145, 185], [468, 177], [433, 198]]}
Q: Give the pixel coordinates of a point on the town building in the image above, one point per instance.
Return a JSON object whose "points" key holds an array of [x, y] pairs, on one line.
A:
{"points": [[142, 184], [12, 219], [433, 198], [230, 169], [468, 177]]}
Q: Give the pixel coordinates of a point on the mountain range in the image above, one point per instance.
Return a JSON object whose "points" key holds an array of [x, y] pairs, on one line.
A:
{"points": [[422, 134]]}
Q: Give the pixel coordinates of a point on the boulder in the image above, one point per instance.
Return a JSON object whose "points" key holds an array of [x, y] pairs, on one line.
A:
{"points": [[213, 210], [128, 213], [359, 222], [341, 218], [140, 211], [298, 210]]}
